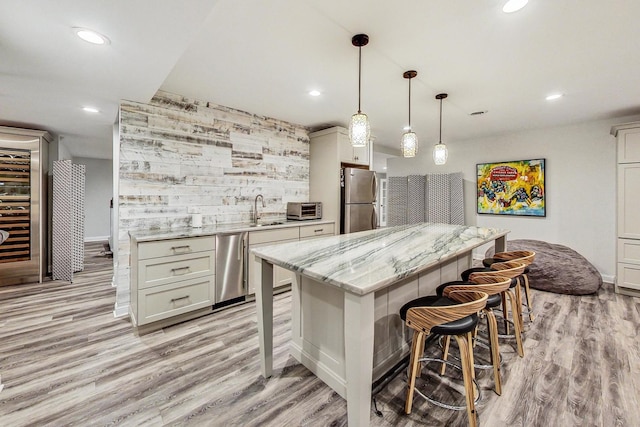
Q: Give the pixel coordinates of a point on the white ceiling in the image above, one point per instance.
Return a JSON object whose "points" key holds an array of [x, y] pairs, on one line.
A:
{"points": [[264, 57]]}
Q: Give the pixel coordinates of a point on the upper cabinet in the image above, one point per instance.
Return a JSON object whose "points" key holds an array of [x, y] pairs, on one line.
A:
{"points": [[330, 148], [628, 139], [350, 154], [339, 137]]}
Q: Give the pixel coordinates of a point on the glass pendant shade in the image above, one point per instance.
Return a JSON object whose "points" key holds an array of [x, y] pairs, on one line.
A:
{"points": [[409, 144], [359, 130], [440, 154], [409, 141]]}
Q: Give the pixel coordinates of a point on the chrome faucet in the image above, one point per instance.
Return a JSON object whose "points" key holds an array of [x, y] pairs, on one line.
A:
{"points": [[255, 207]]}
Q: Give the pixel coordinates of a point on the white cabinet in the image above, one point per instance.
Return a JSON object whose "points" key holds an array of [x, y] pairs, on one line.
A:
{"points": [[330, 149], [628, 205], [320, 230], [350, 154], [281, 276], [629, 200], [171, 280]]}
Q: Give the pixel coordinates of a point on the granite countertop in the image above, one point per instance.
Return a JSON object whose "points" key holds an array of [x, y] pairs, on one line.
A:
{"points": [[364, 262], [152, 235]]}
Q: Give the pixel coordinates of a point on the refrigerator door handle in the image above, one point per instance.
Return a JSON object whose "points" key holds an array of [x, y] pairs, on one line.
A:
{"points": [[374, 219], [375, 187]]}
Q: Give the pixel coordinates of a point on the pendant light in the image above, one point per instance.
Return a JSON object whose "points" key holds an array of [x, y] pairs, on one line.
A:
{"points": [[440, 150], [359, 128], [409, 143]]}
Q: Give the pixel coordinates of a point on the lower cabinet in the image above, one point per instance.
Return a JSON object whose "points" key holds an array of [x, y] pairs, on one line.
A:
{"points": [[322, 230], [171, 279], [628, 269], [281, 276]]}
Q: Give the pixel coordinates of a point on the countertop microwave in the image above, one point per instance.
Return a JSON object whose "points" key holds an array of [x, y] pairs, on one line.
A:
{"points": [[304, 210]]}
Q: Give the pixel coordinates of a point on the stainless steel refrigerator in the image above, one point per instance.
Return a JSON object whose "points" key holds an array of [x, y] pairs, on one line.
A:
{"points": [[358, 210]]}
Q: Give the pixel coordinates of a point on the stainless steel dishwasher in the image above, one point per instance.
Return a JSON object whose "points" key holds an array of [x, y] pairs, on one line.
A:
{"points": [[230, 268]]}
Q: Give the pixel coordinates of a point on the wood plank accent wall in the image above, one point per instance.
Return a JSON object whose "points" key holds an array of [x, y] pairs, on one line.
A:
{"points": [[180, 156]]}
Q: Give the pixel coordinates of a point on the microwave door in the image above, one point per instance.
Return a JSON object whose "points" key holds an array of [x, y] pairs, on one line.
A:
{"points": [[359, 186]]}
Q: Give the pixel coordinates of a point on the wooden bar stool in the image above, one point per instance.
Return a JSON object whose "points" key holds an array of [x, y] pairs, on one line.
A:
{"points": [[526, 258], [455, 315], [493, 286], [511, 270]]}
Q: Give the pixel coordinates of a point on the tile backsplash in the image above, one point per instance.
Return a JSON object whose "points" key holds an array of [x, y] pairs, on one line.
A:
{"points": [[180, 156]]}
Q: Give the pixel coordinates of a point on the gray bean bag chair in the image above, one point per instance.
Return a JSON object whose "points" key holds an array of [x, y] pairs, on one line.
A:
{"points": [[557, 268]]}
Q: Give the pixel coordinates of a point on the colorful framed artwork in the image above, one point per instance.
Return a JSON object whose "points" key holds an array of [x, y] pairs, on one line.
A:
{"points": [[512, 188]]}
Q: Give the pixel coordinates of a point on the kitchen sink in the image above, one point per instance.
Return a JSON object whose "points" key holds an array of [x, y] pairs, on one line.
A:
{"points": [[264, 224]]}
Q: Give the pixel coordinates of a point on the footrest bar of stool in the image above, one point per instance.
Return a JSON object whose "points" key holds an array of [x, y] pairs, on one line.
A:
{"points": [[482, 344], [441, 404]]}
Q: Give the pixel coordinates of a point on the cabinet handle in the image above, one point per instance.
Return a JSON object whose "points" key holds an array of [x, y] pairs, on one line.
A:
{"points": [[173, 270], [181, 298], [318, 230], [175, 248]]}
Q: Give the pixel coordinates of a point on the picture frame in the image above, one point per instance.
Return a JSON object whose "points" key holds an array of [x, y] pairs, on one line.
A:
{"points": [[515, 188]]}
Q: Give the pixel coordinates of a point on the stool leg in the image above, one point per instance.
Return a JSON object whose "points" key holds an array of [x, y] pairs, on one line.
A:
{"points": [[466, 350], [445, 353], [417, 347], [516, 323], [527, 294], [518, 292], [492, 326], [505, 312]]}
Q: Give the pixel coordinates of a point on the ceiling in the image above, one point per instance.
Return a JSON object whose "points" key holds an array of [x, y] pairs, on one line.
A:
{"points": [[265, 56]]}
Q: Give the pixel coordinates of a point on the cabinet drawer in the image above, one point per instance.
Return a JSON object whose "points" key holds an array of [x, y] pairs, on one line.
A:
{"points": [[267, 236], [160, 271], [629, 251], [316, 230], [628, 276], [177, 298], [162, 248]]}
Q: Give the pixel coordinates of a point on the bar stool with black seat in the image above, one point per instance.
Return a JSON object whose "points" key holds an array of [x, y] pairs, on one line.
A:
{"points": [[493, 286], [525, 257], [495, 266], [453, 315], [512, 270]]}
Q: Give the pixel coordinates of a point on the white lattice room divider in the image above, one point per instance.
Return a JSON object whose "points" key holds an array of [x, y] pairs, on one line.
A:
{"points": [[428, 198], [68, 219]]}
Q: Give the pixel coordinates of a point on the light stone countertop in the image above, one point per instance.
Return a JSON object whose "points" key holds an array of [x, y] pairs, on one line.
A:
{"points": [[164, 234], [364, 262]]}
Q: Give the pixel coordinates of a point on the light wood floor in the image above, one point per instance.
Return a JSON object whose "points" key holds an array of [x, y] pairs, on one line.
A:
{"points": [[64, 360]]}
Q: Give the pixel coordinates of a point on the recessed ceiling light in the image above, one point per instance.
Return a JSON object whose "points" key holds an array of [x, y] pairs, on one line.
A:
{"points": [[385, 168], [91, 36], [91, 109], [314, 92], [514, 5], [554, 96]]}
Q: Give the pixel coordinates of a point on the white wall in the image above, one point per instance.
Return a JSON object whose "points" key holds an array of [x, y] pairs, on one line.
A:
{"points": [[98, 193], [580, 184]]}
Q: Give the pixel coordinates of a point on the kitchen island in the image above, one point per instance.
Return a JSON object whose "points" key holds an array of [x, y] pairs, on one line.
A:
{"points": [[345, 300]]}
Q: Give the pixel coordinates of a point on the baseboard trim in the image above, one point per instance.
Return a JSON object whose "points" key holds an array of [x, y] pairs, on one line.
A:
{"points": [[120, 311], [608, 278], [96, 239]]}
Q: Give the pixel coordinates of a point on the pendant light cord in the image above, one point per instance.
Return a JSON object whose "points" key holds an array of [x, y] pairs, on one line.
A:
{"points": [[409, 105], [359, 76], [440, 139]]}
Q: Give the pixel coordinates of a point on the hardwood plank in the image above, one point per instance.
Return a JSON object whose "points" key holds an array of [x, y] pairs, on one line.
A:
{"points": [[65, 360]]}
